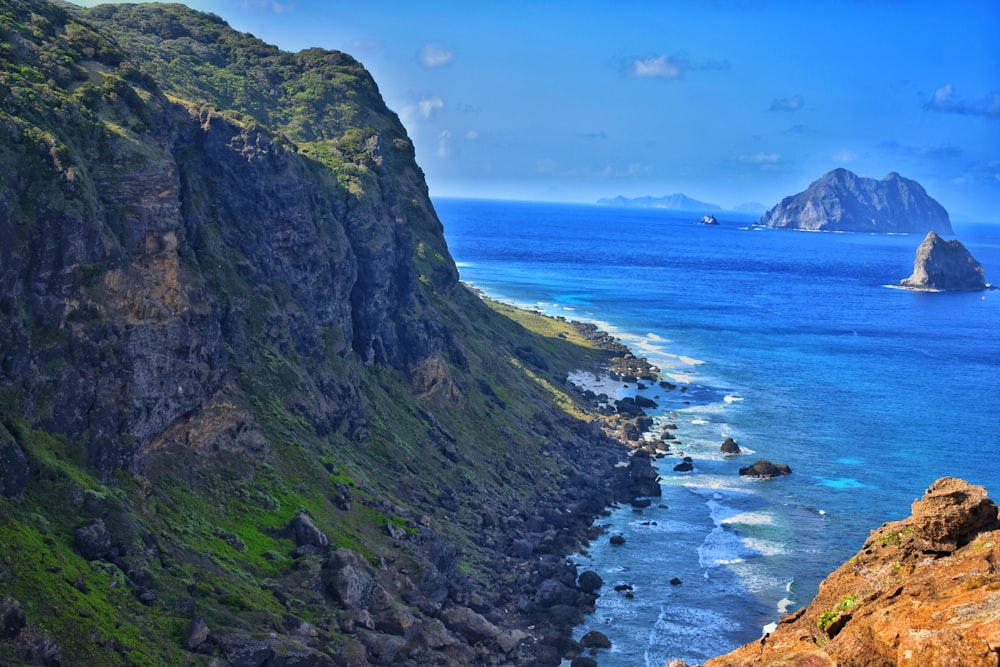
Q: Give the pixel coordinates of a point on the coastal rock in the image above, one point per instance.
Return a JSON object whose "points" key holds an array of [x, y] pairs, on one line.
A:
{"points": [[708, 220], [730, 447], [642, 472], [944, 266], [686, 465], [590, 581], [894, 603], [843, 201], [764, 468], [595, 639]]}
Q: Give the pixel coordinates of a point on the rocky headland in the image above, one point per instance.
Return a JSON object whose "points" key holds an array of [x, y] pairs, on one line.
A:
{"points": [[843, 201], [942, 266], [248, 413], [921, 591]]}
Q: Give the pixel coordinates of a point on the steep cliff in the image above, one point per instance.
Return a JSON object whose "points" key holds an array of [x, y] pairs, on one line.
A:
{"points": [[843, 201], [942, 265], [922, 591], [246, 408]]}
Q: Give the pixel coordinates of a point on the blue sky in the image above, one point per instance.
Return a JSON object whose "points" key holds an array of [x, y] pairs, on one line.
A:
{"points": [[727, 101]]}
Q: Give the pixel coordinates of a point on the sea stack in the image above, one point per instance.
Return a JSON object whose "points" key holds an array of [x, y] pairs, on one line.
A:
{"points": [[842, 201], [942, 266]]}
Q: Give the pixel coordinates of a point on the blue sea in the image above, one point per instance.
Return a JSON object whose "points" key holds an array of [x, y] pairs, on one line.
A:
{"points": [[792, 344]]}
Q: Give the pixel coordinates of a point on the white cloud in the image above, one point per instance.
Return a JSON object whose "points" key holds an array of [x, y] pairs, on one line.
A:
{"points": [[761, 158], [471, 135], [429, 106], [268, 5], [445, 149], [793, 103], [434, 55], [422, 110], [944, 99], [656, 67], [844, 156]]}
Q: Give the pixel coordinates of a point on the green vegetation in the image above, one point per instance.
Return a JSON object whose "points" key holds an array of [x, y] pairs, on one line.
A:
{"points": [[827, 618]]}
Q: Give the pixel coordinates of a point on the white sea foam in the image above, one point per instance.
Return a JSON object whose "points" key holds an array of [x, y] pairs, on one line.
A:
{"points": [[732, 399], [751, 519]]}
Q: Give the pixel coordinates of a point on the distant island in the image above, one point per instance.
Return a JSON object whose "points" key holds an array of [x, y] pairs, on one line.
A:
{"points": [[844, 201], [679, 202], [674, 202]]}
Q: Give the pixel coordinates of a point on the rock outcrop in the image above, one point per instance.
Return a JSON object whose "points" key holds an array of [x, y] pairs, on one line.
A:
{"points": [[764, 468], [922, 591], [941, 266], [843, 201]]}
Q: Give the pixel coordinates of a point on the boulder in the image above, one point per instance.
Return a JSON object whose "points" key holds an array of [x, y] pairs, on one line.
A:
{"points": [[244, 651], [595, 639], [645, 479], [944, 266], [553, 592], [467, 623], [589, 581], [764, 468], [93, 541], [951, 514], [730, 447], [617, 540], [686, 465], [197, 634], [305, 532], [12, 619]]}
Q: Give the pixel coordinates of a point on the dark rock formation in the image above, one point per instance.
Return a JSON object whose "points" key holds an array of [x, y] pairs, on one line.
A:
{"points": [[944, 266], [843, 201], [764, 468], [686, 465], [305, 532], [921, 591], [708, 220], [730, 447], [590, 581], [595, 639]]}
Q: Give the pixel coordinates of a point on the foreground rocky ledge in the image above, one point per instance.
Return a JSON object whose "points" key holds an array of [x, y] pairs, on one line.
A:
{"points": [[922, 591]]}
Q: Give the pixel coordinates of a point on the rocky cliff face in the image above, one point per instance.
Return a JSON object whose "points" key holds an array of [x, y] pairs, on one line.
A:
{"points": [[944, 266], [922, 591], [244, 401], [843, 201]]}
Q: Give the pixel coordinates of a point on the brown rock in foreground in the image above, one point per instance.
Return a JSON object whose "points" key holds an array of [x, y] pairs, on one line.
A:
{"points": [[922, 592]]}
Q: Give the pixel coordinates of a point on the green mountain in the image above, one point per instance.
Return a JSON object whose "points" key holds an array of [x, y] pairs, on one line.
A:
{"points": [[248, 414]]}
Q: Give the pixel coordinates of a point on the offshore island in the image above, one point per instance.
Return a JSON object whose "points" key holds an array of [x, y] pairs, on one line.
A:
{"points": [[249, 415]]}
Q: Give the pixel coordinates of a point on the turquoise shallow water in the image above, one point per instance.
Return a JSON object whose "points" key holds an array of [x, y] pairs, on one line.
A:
{"points": [[791, 344]]}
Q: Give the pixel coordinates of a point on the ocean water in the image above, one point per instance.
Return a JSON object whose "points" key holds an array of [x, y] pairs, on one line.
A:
{"points": [[789, 342]]}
